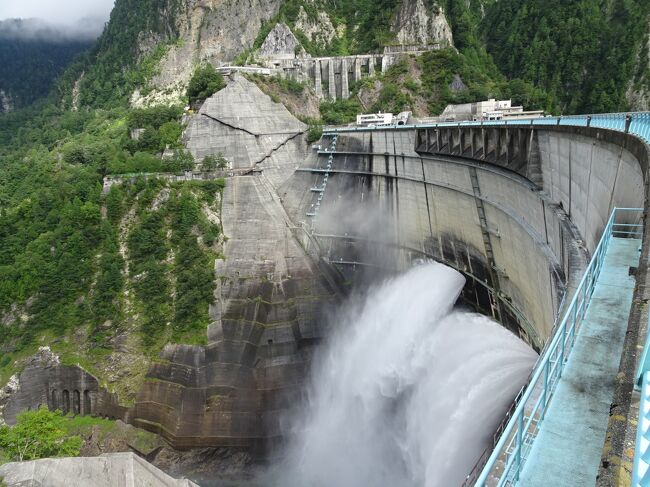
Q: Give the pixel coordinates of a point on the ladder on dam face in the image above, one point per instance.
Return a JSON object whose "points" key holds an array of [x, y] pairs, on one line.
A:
{"points": [[320, 190], [487, 242]]}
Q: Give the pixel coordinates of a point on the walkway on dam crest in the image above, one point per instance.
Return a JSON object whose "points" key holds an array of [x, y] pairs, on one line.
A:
{"points": [[567, 450]]}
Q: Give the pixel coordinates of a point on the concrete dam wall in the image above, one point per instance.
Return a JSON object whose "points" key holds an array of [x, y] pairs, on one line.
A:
{"points": [[520, 228], [588, 171]]}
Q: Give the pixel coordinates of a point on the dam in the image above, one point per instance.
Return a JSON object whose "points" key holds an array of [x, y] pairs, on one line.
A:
{"points": [[565, 196], [544, 221]]}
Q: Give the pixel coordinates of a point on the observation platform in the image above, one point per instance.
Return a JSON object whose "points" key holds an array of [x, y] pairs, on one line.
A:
{"points": [[567, 449]]}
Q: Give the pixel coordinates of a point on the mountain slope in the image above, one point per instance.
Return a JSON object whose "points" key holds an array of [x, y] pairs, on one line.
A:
{"points": [[32, 56], [587, 54]]}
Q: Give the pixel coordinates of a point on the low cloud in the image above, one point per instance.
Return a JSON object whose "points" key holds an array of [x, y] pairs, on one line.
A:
{"points": [[38, 30], [63, 20]]}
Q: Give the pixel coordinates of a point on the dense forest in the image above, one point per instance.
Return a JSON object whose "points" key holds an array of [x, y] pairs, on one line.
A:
{"points": [[32, 60], [90, 265], [584, 53]]}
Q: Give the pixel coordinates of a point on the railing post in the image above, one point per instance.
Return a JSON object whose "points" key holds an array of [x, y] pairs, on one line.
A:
{"points": [[520, 438], [560, 364], [547, 366], [585, 298], [574, 324]]}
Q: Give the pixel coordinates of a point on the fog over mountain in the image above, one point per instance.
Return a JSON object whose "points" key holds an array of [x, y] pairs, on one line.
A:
{"points": [[85, 29], [76, 17]]}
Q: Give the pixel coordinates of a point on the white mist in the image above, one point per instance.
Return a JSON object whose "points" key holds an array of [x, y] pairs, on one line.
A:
{"points": [[408, 392]]}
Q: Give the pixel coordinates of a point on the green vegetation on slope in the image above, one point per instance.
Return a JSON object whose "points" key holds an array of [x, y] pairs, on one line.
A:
{"points": [[65, 247], [423, 84], [581, 52], [585, 54], [115, 67], [38, 434], [366, 25], [30, 67], [42, 433], [204, 83]]}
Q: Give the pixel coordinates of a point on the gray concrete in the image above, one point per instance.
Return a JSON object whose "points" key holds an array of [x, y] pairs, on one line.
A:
{"points": [[331, 78], [109, 470], [345, 88], [242, 123], [336, 70], [427, 207]]}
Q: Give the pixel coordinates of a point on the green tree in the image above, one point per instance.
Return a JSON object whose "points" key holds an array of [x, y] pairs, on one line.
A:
{"points": [[170, 134], [204, 83], [210, 163], [38, 434]]}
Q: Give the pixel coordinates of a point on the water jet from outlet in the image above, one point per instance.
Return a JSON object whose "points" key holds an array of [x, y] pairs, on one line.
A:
{"points": [[408, 391]]}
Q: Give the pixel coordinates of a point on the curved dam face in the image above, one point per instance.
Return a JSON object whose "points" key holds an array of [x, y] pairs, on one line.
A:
{"points": [[517, 211]]}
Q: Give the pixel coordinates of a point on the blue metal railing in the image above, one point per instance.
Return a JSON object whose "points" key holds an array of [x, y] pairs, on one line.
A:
{"points": [[635, 123], [511, 450], [641, 467]]}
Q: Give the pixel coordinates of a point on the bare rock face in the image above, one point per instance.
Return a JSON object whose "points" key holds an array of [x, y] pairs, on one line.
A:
{"points": [[457, 84], [418, 24], [280, 43], [319, 30], [214, 31], [6, 103]]}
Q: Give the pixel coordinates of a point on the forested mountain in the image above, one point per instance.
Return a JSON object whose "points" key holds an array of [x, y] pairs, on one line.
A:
{"points": [[590, 55], [32, 56]]}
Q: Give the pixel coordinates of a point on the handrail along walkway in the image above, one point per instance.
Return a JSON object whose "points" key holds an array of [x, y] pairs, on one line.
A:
{"points": [[635, 123], [517, 438]]}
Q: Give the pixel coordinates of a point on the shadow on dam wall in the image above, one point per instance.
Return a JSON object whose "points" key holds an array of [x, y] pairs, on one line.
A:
{"points": [[516, 210]]}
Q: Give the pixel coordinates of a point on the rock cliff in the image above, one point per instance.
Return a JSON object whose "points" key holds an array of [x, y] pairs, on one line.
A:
{"points": [[319, 30], [280, 43], [6, 103], [209, 31], [417, 23]]}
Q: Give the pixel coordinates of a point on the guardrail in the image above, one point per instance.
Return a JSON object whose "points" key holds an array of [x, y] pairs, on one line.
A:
{"points": [[635, 123], [641, 464], [505, 463]]}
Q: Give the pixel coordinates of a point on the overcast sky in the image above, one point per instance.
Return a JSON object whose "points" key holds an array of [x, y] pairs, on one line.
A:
{"points": [[66, 12]]}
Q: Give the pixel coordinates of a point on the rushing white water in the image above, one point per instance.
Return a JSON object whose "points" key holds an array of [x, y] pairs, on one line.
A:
{"points": [[408, 391]]}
